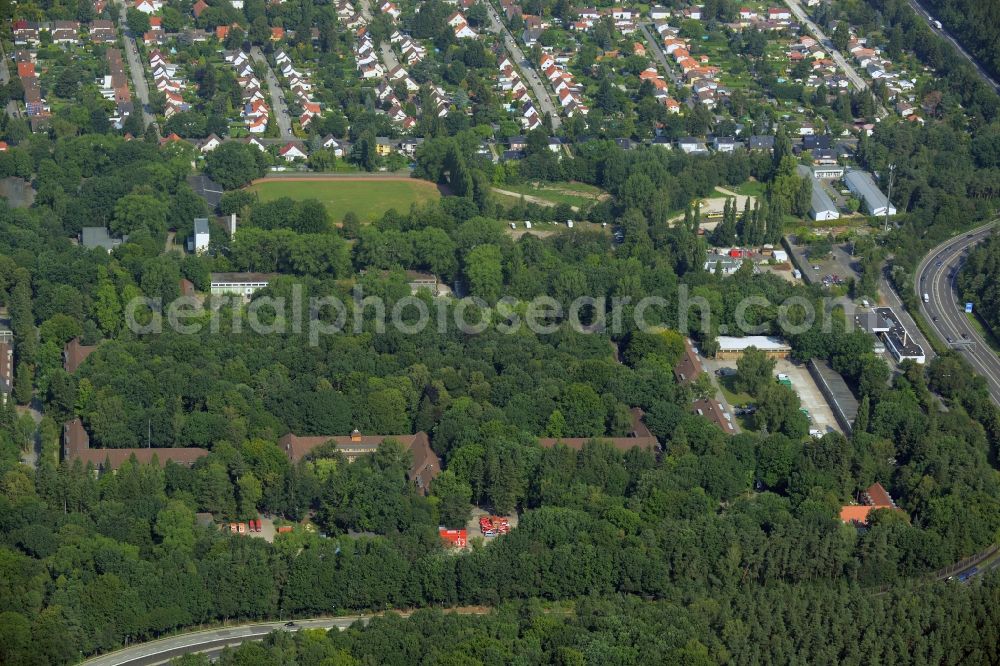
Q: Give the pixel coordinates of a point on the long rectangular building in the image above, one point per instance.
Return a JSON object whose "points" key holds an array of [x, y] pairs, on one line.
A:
{"points": [[821, 206], [862, 185], [426, 464]]}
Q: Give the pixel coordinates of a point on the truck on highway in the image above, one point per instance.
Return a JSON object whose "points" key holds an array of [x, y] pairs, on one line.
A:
{"points": [[937, 24], [927, 299]]}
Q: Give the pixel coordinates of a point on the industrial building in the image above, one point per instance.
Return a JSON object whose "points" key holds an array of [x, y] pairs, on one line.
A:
{"points": [[821, 206], [731, 349], [239, 284], [862, 185], [898, 340], [838, 395]]}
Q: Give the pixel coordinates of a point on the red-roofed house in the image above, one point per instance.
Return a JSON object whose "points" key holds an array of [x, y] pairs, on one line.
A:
{"points": [[74, 354]]}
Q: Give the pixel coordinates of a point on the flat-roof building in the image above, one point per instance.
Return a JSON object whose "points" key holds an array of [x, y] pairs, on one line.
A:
{"points": [[898, 339], [239, 284], [838, 395], [92, 237], [862, 185], [731, 348]]}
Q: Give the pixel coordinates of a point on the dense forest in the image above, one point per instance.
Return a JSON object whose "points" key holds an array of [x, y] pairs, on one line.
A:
{"points": [[974, 23], [857, 627], [978, 282], [748, 521], [714, 549]]}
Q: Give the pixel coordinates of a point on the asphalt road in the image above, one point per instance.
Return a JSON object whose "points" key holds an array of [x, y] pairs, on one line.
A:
{"points": [[541, 94], [210, 642], [926, 16], [135, 67], [651, 39], [837, 56], [945, 315], [279, 108], [12, 109]]}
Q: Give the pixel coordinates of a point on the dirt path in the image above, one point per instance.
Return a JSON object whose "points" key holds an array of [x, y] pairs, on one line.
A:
{"points": [[530, 198], [392, 175]]}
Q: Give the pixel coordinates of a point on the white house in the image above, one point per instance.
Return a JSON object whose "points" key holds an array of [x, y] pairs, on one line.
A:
{"points": [[291, 152], [199, 241]]}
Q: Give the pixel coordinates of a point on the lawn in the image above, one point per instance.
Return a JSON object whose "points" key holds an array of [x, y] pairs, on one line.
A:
{"points": [[734, 397], [368, 198]]}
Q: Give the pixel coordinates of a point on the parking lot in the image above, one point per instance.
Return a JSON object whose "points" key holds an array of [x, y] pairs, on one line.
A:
{"points": [[802, 383], [809, 394], [835, 269]]}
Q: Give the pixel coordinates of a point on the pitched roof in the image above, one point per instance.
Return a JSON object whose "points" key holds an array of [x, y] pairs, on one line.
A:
{"points": [[74, 354], [76, 446], [689, 365], [426, 464]]}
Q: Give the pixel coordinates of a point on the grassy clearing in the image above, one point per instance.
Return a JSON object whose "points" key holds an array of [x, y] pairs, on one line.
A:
{"points": [[580, 195], [733, 397], [368, 199]]}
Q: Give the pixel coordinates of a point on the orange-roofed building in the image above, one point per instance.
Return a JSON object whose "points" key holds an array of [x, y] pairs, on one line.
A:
{"points": [[25, 69], [857, 515], [277, 33], [638, 49], [221, 31]]}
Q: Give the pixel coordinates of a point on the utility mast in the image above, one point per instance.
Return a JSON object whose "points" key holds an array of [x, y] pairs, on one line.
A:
{"points": [[888, 200]]}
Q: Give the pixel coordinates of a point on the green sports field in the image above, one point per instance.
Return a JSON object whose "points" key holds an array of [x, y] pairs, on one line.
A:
{"points": [[368, 198]]}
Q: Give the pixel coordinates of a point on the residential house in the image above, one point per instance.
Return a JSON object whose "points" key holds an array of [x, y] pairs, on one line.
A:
{"points": [[292, 151]]}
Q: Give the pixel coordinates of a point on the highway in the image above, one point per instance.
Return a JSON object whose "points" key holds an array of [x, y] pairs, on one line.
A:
{"points": [[943, 312], [211, 642], [545, 103], [837, 56], [926, 16]]}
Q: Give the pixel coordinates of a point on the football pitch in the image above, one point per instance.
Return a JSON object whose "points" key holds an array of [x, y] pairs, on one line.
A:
{"points": [[369, 198]]}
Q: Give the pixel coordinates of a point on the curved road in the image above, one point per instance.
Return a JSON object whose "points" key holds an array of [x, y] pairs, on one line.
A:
{"points": [[211, 641], [943, 312]]}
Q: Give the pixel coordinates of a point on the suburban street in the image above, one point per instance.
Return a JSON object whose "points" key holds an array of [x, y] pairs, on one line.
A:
{"points": [[660, 57], [837, 56], [389, 57], [926, 16], [12, 109], [540, 92], [278, 107], [135, 67], [945, 315]]}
